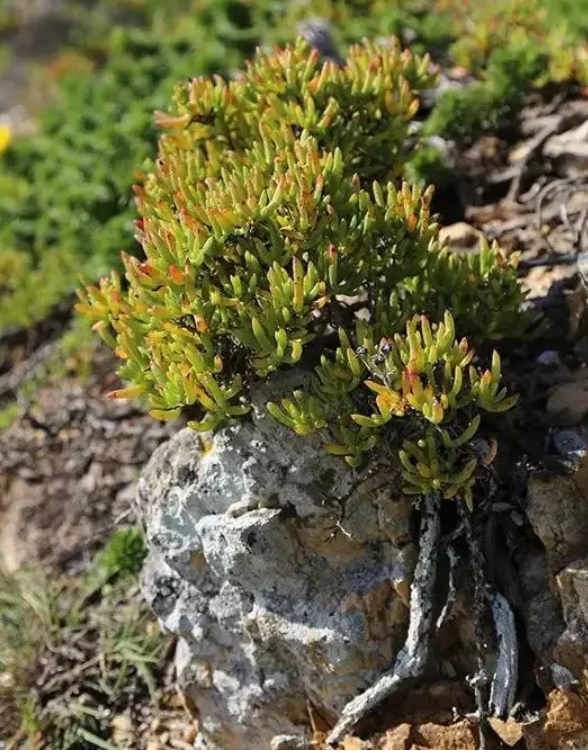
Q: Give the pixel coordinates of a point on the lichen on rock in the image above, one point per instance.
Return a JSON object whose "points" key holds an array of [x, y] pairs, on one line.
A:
{"points": [[282, 593]]}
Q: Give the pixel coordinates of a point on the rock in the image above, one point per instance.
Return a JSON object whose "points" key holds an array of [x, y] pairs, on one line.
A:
{"points": [[508, 731], [549, 358], [459, 73], [570, 148], [539, 605], [279, 593], [567, 718], [571, 443], [572, 648], [289, 742], [319, 34], [564, 725], [190, 733], [557, 508], [458, 736], [397, 738], [459, 235], [122, 729], [568, 401], [562, 677], [355, 743]]}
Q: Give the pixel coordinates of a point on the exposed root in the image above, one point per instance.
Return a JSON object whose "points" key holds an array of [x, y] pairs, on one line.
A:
{"points": [[535, 145], [480, 680], [504, 683], [451, 591], [412, 659]]}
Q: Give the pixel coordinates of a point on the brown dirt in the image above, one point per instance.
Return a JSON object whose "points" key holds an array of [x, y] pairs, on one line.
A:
{"points": [[69, 466]]}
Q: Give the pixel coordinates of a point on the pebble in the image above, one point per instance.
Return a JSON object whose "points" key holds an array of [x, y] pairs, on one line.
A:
{"points": [[180, 744], [570, 442], [155, 725], [549, 358], [191, 732], [562, 677]]}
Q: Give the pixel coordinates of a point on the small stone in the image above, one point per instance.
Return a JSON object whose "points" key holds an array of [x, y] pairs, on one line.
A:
{"points": [[562, 677], [156, 725], [581, 348], [178, 743], [570, 442], [459, 235], [458, 736], [397, 738], [549, 358], [448, 669], [122, 728], [153, 745], [290, 742], [508, 731], [568, 402], [354, 743], [190, 733], [459, 73]]}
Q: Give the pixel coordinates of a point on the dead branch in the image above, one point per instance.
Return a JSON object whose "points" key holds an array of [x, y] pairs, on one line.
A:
{"points": [[413, 657], [451, 591], [480, 680], [504, 683], [533, 147]]}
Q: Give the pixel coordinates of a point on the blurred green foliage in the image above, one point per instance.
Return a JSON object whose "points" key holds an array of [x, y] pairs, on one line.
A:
{"points": [[65, 194]]}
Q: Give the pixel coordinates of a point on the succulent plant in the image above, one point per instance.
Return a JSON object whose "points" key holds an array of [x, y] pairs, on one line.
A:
{"points": [[276, 232]]}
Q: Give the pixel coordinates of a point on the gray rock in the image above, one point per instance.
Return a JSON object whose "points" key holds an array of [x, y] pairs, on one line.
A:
{"points": [[290, 742], [555, 583], [281, 595], [557, 508], [572, 584], [562, 677], [319, 34]]}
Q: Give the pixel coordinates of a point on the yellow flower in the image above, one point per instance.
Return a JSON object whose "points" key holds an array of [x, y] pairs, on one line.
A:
{"points": [[5, 137]]}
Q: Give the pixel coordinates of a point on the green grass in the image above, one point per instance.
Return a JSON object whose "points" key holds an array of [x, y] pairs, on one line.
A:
{"points": [[71, 648]]}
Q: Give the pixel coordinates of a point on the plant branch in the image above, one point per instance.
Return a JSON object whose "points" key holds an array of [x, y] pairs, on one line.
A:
{"points": [[504, 683], [413, 657]]}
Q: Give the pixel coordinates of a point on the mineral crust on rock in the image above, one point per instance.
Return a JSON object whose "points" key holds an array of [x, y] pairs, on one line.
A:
{"points": [[285, 579]]}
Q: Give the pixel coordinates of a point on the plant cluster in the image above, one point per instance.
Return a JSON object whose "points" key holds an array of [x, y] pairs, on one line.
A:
{"points": [[275, 233], [486, 105], [71, 647], [510, 47], [65, 199]]}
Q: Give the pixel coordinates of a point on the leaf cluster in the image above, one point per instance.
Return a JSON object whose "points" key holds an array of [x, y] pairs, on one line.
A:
{"points": [[274, 220], [416, 392], [486, 105]]}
